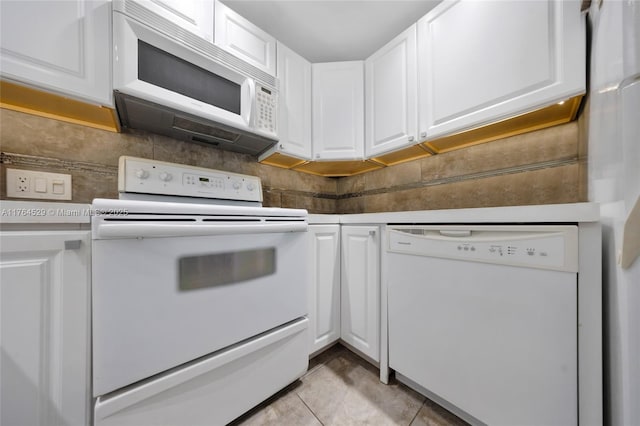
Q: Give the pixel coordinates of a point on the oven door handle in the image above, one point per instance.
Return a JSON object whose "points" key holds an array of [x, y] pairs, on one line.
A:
{"points": [[150, 230]]}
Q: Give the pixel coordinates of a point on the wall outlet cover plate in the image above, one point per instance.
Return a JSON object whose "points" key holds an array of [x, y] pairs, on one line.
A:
{"points": [[38, 185]]}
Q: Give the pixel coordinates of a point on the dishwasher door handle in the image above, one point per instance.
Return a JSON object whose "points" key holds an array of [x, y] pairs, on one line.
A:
{"points": [[457, 233]]}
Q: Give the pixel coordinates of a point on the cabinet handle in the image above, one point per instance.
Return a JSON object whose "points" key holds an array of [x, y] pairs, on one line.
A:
{"points": [[372, 233], [423, 134], [410, 138], [72, 244], [281, 146]]}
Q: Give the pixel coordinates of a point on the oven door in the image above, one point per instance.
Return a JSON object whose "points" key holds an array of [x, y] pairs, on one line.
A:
{"points": [[161, 302], [154, 67]]}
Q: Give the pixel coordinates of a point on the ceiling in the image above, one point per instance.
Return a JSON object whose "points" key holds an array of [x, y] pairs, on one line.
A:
{"points": [[333, 30]]}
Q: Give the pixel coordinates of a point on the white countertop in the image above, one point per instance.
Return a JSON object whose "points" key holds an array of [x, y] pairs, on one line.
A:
{"points": [[324, 219], [42, 212], [550, 213], [51, 212]]}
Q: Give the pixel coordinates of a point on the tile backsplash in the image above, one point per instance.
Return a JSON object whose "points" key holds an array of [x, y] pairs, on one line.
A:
{"points": [[541, 167], [91, 156]]}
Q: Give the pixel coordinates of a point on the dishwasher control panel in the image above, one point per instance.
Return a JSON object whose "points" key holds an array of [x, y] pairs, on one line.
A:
{"points": [[545, 247], [144, 176]]}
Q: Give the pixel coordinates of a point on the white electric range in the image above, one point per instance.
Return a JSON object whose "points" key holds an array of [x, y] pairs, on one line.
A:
{"points": [[199, 296]]}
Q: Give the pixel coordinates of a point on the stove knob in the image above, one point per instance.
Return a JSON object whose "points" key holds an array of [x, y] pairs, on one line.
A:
{"points": [[164, 176], [142, 174], [251, 186], [236, 185]]}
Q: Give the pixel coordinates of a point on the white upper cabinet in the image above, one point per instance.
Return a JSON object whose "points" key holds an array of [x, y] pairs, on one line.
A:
{"points": [[482, 61], [59, 46], [391, 98], [338, 110], [294, 73], [195, 16], [240, 37]]}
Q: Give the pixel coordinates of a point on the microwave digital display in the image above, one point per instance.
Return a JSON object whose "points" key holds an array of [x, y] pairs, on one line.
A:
{"points": [[157, 67]]}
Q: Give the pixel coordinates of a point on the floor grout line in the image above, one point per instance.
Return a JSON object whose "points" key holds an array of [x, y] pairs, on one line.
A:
{"points": [[317, 396], [309, 408], [417, 412]]}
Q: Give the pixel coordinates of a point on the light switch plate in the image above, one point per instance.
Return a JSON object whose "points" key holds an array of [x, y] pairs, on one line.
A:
{"points": [[39, 185]]}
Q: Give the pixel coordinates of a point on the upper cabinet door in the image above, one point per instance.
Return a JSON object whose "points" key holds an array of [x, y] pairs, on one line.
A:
{"points": [[60, 46], [338, 110], [294, 73], [240, 37], [482, 61], [391, 99], [195, 16]]}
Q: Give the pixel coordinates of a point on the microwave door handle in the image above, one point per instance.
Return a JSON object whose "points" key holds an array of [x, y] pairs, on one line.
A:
{"points": [[247, 104]]}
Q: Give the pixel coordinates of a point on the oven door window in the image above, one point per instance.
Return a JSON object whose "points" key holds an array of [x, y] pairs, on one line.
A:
{"points": [[157, 67], [225, 268]]}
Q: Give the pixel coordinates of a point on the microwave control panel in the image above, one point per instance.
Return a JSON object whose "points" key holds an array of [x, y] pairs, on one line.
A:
{"points": [[266, 109]]}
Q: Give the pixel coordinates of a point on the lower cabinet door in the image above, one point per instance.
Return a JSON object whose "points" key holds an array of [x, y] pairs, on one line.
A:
{"points": [[44, 318], [360, 301], [324, 291]]}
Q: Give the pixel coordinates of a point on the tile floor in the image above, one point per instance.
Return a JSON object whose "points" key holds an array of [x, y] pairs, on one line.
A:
{"points": [[341, 388]]}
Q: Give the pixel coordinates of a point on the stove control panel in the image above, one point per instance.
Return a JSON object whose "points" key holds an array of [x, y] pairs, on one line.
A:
{"points": [[144, 176]]}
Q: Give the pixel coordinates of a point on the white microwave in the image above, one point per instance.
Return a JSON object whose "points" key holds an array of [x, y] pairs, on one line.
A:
{"points": [[172, 82]]}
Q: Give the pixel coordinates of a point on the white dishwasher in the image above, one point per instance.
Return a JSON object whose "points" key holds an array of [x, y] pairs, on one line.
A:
{"points": [[484, 319]]}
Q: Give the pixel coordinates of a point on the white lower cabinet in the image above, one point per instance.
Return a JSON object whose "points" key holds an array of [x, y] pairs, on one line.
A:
{"points": [[360, 289], [44, 320], [324, 293]]}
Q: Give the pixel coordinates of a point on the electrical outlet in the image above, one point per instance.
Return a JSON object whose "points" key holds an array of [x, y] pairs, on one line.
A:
{"points": [[22, 184], [39, 185]]}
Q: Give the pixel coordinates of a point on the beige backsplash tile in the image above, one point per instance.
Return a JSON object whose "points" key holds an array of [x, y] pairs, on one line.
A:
{"points": [[310, 203], [548, 166], [552, 144], [390, 177], [29, 134], [87, 186], [351, 185], [350, 205], [545, 186], [271, 198], [405, 200], [193, 154]]}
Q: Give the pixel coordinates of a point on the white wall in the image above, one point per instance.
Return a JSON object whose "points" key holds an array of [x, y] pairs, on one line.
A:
{"points": [[614, 181]]}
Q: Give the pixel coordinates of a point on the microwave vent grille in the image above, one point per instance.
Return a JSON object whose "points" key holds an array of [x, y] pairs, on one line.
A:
{"points": [[136, 11], [201, 129]]}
